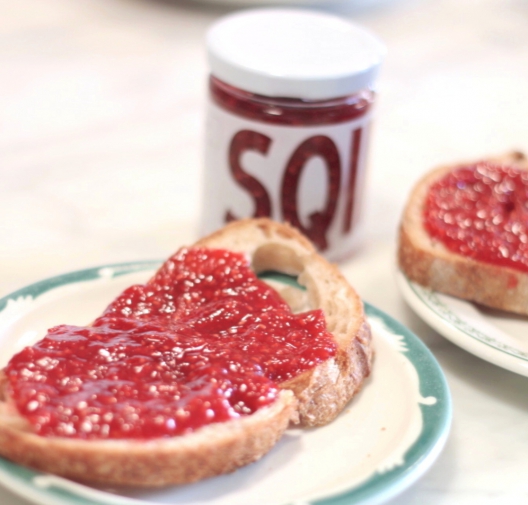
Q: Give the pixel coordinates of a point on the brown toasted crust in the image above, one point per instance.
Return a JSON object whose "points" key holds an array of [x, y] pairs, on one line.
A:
{"points": [[324, 391], [316, 396], [428, 262]]}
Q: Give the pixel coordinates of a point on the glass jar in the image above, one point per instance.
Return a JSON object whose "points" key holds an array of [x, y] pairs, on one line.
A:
{"points": [[290, 105]]}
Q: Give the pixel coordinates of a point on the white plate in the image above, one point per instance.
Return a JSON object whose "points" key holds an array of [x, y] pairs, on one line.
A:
{"points": [[388, 437], [495, 336]]}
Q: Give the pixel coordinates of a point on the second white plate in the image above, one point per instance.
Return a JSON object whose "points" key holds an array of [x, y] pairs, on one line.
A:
{"points": [[495, 336]]}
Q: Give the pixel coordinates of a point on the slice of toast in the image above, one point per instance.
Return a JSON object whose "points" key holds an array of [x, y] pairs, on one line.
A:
{"points": [[315, 396], [429, 263]]}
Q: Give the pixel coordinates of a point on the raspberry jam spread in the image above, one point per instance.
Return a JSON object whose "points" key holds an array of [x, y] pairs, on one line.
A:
{"points": [[203, 341], [481, 211]]}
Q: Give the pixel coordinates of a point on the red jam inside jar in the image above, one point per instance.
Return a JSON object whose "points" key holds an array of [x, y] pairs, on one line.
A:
{"points": [[481, 211], [290, 111], [203, 341]]}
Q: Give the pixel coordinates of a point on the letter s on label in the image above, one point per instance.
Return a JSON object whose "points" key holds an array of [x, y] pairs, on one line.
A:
{"points": [[247, 140]]}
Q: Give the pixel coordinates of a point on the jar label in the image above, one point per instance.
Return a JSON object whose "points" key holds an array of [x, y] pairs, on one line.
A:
{"points": [[309, 176]]}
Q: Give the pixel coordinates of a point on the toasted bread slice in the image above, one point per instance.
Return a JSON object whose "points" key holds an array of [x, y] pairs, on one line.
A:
{"points": [[316, 396], [428, 262]]}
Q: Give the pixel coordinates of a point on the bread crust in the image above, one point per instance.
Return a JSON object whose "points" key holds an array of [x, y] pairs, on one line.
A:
{"points": [[429, 263], [315, 397]]}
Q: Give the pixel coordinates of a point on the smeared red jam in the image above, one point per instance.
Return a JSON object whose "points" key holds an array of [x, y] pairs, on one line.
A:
{"points": [[481, 211], [203, 341]]}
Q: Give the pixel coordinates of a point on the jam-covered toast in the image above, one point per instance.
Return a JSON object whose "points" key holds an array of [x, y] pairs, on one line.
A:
{"points": [[486, 273], [314, 396]]}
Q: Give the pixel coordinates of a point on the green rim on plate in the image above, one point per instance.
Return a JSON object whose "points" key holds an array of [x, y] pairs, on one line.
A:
{"points": [[378, 488], [433, 301]]}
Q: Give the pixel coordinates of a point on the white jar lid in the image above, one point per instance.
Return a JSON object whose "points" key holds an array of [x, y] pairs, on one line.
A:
{"points": [[293, 53]]}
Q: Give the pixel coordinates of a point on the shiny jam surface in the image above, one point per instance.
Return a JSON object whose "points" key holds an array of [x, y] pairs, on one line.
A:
{"points": [[481, 211], [203, 341], [290, 111]]}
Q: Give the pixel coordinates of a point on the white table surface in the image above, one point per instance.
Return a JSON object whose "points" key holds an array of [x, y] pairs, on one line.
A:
{"points": [[101, 117]]}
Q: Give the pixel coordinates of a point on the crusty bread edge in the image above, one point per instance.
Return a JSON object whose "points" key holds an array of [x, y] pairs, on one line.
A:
{"points": [[429, 263]]}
